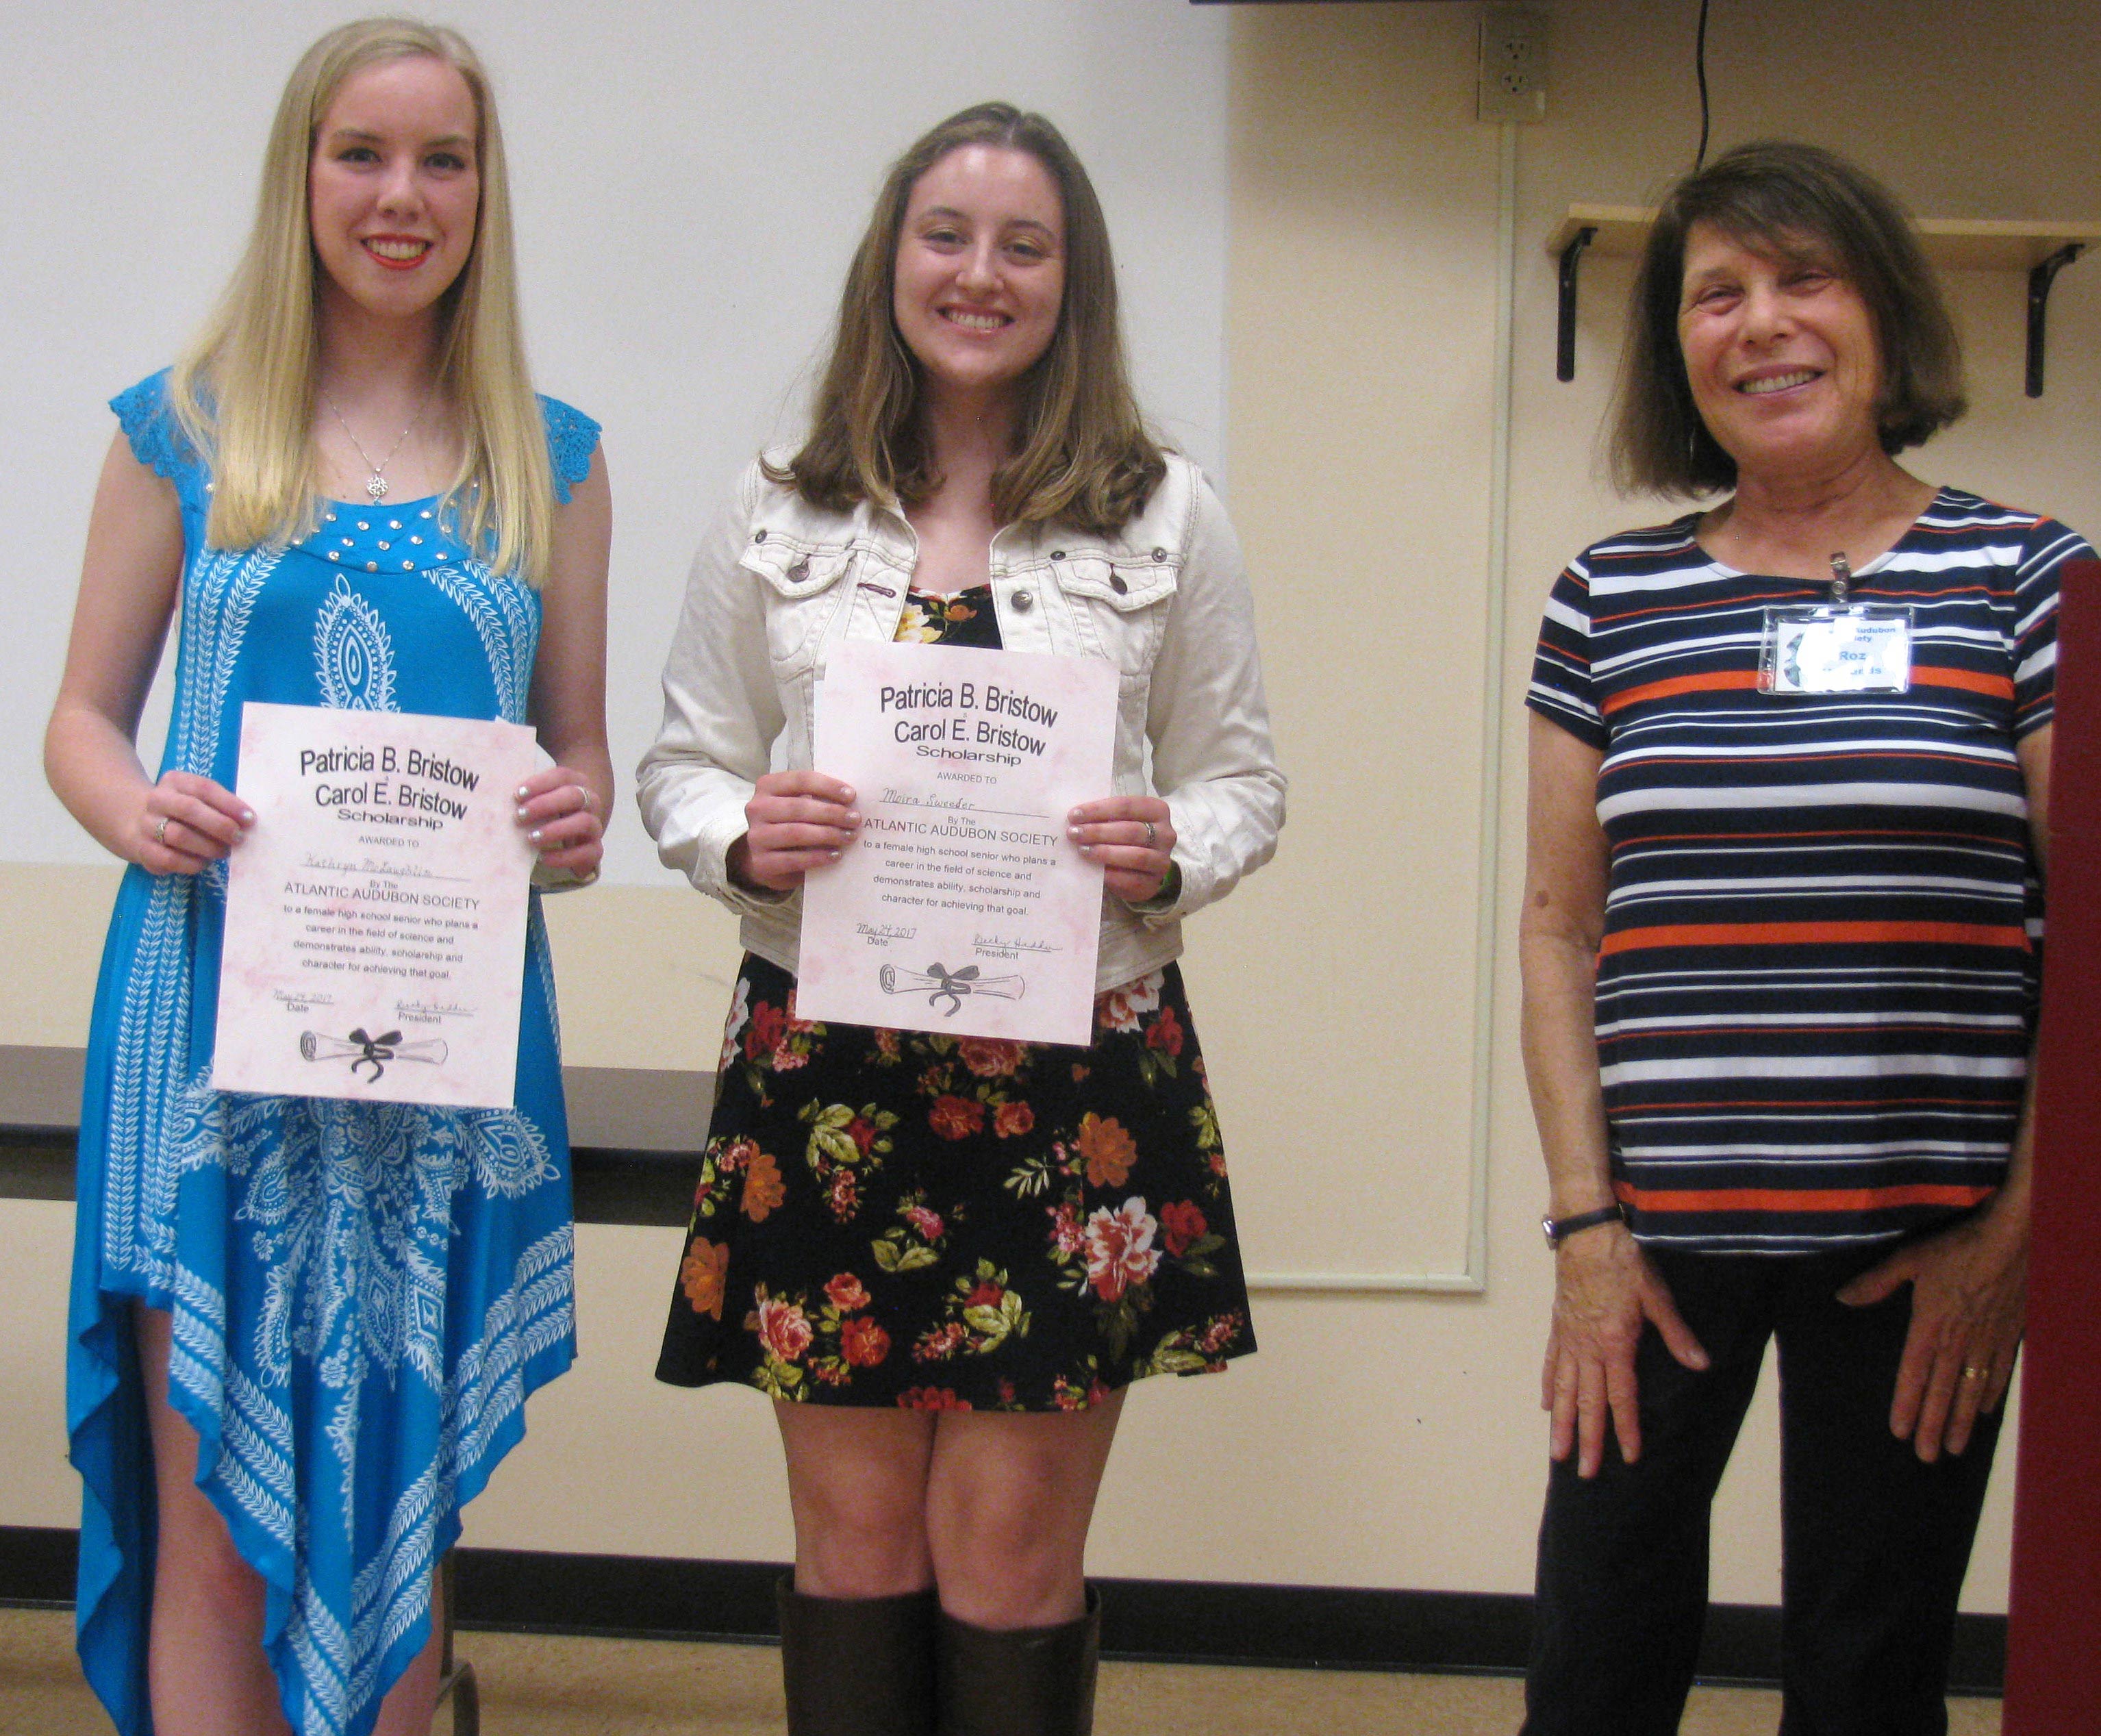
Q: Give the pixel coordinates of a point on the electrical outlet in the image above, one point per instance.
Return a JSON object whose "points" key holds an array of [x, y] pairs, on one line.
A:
{"points": [[1513, 72]]}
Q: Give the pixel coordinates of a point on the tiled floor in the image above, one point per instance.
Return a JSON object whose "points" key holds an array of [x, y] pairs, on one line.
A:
{"points": [[534, 1685]]}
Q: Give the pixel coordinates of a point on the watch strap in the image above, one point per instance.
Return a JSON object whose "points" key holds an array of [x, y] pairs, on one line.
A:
{"points": [[1559, 1230]]}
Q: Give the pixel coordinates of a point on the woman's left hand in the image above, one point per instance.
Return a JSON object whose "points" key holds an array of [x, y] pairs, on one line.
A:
{"points": [[1969, 1294], [1132, 837], [563, 816]]}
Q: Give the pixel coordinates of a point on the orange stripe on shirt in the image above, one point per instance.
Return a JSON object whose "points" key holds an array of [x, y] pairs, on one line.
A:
{"points": [[1815, 756], [1727, 681], [1807, 1199], [1970, 680], [1816, 934], [1715, 681]]}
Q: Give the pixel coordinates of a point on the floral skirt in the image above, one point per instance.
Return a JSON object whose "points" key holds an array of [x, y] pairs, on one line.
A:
{"points": [[891, 1217]]}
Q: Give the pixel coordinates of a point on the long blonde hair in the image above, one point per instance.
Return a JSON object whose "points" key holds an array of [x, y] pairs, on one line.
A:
{"points": [[1082, 454], [244, 392]]}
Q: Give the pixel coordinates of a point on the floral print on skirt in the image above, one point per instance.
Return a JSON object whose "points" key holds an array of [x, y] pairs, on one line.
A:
{"points": [[890, 1217]]}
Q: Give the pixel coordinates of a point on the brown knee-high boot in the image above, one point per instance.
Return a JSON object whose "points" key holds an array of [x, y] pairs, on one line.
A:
{"points": [[857, 1666], [1021, 1682]]}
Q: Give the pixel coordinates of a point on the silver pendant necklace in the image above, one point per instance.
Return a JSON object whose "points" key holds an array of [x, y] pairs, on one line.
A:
{"points": [[376, 483]]}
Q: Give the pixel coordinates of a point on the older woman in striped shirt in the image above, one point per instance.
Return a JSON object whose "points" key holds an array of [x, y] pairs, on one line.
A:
{"points": [[1790, 762]]}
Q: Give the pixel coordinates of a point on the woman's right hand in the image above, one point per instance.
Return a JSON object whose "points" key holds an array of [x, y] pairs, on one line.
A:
{"points": [[795, 821], [1605, 1291], [185, 822]]}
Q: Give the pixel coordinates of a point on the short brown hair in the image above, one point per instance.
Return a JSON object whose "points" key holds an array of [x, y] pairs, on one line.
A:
{"points": [[1081, 455], [1801, 202]]}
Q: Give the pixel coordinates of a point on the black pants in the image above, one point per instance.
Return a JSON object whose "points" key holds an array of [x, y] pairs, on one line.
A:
{"points": [[1875, 1542]]}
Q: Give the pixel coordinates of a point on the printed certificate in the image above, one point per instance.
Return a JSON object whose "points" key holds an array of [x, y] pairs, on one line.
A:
{"points": [[375, 913], [962, 906]]}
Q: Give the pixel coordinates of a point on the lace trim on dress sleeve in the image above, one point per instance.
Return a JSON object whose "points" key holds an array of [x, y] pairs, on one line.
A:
{"points": [[157, 439], [571, 438]]}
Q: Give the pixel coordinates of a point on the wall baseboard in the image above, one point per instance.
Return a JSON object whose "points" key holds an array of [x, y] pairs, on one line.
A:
{"points": [[1181, 1621]]}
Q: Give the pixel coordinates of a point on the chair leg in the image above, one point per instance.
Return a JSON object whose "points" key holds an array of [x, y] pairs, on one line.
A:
{"points": [[455, 1679], [459, 1684], [1023, 1681]]}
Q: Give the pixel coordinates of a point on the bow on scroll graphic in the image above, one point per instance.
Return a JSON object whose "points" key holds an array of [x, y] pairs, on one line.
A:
{"points": [[939, 985], [364, 1051]]}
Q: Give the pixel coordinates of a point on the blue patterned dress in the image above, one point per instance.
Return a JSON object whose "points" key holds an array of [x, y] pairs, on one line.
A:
{"points": [[363, 1293]]}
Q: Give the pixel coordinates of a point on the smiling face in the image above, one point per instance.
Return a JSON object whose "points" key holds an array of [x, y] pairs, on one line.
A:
{"points": [[393, 186], [980, 272], [1779, 350]]}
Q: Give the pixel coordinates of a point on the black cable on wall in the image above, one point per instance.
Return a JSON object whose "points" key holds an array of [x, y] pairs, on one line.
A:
{"points": [[1699, 70]]}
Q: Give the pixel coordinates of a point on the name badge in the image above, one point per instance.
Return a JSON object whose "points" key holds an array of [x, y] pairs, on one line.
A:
{"points": [[1830, 649]]}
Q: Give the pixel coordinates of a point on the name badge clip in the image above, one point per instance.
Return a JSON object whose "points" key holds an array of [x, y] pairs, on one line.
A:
{"points": [[1838, 647]]}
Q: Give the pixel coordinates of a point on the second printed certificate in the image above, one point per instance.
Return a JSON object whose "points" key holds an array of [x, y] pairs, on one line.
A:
{"points": [[962, 906], [376, 915]]}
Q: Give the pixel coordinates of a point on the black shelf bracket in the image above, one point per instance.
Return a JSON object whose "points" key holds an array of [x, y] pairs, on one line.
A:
{"points": [[1564, 330], [2041, 277]]}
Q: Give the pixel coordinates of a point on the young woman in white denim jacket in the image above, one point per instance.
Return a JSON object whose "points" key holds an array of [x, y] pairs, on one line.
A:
{"points": [[974, 431]]}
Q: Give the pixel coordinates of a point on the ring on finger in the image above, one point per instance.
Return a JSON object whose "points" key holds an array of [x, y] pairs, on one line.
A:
{"points": [[160, 831], [1152, 832], [1976, 1371]]}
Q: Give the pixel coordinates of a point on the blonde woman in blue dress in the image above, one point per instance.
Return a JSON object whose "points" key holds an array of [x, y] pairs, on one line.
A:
{"points": [[303, 1330]]}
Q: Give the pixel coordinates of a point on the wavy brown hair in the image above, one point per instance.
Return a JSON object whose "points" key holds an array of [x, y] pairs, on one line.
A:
{"points": [[1082, 454], [1799, 202]]}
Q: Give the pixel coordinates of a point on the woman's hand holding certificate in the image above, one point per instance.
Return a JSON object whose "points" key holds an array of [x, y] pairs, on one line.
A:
{"points": [[1133, 838], [798, 821]]}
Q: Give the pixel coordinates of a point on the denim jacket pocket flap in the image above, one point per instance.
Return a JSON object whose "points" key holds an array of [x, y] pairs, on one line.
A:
{"points": [[1124, 585], [794, 567]]}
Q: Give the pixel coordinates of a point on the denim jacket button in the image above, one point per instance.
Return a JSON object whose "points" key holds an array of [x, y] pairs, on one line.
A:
{"points": [[1160, 554], [1057, 554], [759, 536], [801, 569], [1116, 583], [1024, 600]]}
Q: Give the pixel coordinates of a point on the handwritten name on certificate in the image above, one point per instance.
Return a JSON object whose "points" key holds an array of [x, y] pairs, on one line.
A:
{"points": [[375, 913], [962, 906]]}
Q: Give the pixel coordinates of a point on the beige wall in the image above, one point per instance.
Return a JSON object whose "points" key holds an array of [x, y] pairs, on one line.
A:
{"points": [[1386, 1435]]}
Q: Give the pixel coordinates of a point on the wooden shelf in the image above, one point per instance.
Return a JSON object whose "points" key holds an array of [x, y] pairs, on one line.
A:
{"points": [[2042, 250], [1952, 243]]}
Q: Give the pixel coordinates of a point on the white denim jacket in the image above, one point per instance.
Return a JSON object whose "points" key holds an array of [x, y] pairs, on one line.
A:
{"points": [[777, 582]]}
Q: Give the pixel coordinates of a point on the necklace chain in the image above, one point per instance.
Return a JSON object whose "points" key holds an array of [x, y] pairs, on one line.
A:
{"points": [[377, 485]]}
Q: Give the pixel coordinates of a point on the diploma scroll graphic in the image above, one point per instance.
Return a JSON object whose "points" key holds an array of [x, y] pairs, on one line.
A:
{"points": [[938, 984], [363, 1051]]}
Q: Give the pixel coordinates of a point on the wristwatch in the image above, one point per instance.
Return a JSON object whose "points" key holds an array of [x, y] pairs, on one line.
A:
{"points": [[1559, 1230]]}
